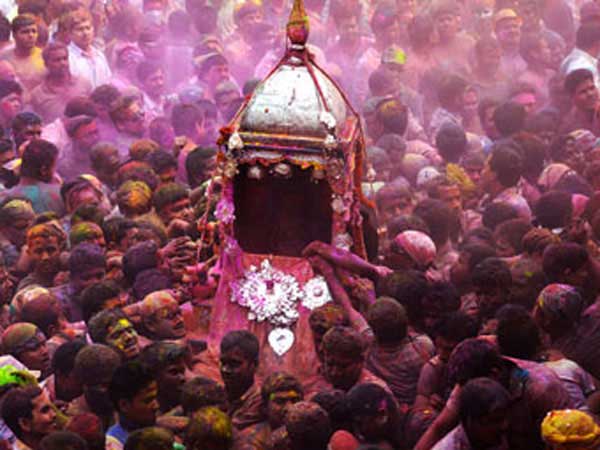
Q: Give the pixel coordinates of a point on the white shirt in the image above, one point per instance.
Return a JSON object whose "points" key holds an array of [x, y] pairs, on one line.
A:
{"points": [[579, 59], [91, 65]]}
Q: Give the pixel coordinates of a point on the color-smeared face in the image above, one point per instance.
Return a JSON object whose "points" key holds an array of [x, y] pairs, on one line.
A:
{"points": [[341, 371], [154, 84], [508, 32], [26, 37], [237, 370], [82, 34], [45, 254], [88, 277], [451, 196], [123, 337], [180, 209], [172, 378], [586, 95], [447, 26], [57, 62], [142, 409], [16, 230], [35, 354], [167, 322], [87, 136], [43, 416], [135, 121], [278, 404], [11, 105]]}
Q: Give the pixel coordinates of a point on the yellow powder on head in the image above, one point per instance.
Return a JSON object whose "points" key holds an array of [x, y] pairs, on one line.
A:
{"points": [[570, 429]]}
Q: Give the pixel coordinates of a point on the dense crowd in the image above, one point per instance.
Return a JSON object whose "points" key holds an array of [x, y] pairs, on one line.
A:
{"points": [[473, 321]]}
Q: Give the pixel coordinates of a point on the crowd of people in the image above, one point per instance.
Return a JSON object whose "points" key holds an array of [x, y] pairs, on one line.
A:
{"points": [[473, 323]]}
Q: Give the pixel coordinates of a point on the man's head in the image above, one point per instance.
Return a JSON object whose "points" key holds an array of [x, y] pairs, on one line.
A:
{"points": [[453, 329], [111, 327], [99, 296], [474, 358], [278, 392], [385, 25], [11, 100], [387, 318], [212, 68], [199, 164], [45, 241], [373, 411], [535, 50], [68, 385], [324, 318], [491, 280], [484, 408], [87, 232], [448, 192], [508, 236], [450, 93], [63, 440], [343, 357], [94, 367], [347, 24], [509, 118], [200, 392], [392, 201], [87, 265], [134, 198], [579, 84], [488, 54], [161, 316], [451, 142], [188, 121], [83, 131], [29, 414], [56, 60], [502, 170], [172, 201], [166, 361], [588, 38], [239, 361], [518, 335], [133, 392], [507, 27], [558, 308], [81, 28], [209, 429], [447, 22], [25, 32], [150, 438], [105, 162], [128, 116], [25, 127], [44, 311], [151, 76], [27, 343], [308, 426], [39, 160], [16, 216], [164, 164], [486, 110], [438, 217], [567, 263]]}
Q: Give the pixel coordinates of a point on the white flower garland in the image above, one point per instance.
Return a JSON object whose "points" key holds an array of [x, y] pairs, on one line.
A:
{"points": [[272, 295]]}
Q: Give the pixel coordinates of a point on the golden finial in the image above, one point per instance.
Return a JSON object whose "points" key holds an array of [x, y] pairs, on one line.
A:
{"points": [[298, 27]]}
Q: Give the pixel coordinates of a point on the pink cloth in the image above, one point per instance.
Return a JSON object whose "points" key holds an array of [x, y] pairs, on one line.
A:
{"points": [[301, 359]]}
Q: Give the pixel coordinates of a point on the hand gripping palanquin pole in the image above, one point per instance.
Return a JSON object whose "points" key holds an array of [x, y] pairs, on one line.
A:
{"points": [[293, 150]]}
